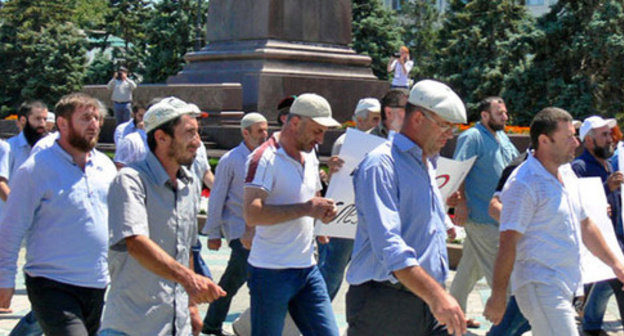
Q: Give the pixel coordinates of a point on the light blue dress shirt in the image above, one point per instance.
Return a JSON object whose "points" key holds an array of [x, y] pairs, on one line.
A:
{"points": [[5, 150], [225, 210], [400, 215], [20, 150], [62, 212], [493, 155], [124, 129]]}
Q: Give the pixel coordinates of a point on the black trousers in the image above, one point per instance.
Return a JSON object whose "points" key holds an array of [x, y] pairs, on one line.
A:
{"points": [[375, 308], [64, 309]]}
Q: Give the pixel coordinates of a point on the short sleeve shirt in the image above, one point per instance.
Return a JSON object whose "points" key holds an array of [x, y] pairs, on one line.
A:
{"points": [[548, 215], [143, 201], [289, 244]]}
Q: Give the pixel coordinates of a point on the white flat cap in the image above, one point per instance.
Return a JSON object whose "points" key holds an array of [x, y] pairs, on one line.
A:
{"points": [[367, 105], [438, 98]]}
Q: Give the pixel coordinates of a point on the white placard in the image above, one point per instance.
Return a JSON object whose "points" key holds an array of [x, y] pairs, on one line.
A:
{"points": [[357, 144], [450, 174], [595, 205]]}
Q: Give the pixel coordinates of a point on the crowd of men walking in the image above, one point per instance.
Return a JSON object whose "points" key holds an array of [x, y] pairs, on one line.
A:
{"points": [[113, 248]]}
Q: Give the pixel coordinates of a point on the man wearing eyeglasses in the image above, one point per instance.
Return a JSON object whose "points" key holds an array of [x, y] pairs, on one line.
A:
{"points": [[494, 151], [399, 262]]}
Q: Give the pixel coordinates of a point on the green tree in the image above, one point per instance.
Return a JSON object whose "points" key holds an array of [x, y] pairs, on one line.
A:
{"points": [[170, 33], [100, 69], [42, 53], [126, 19], [376, 33], [577, 63], [481, 42], [420, 20]]}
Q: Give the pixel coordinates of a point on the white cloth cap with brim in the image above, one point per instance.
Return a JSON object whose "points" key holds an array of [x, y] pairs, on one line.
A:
{"points": [[252, 118], [438, 98], [595, 122], [314, 107], [168, 109], [367, 105], [51, 117]]}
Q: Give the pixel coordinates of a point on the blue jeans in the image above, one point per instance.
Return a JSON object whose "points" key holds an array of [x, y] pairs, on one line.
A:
{"points": [[300, 291], [513, 323], [596, 304], [122, 111], [199, 265], [27, 326], [333, 259], [233, 278]]}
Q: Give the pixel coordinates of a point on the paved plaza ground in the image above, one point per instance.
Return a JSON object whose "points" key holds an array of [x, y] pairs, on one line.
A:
{"points": [[217, 262]]}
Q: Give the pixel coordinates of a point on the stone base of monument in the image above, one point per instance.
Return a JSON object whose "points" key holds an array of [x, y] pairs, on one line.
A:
{"points": [[270, 70]]}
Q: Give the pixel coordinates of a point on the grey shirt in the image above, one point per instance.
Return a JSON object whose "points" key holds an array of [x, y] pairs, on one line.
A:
{"points": [[142, 201]]}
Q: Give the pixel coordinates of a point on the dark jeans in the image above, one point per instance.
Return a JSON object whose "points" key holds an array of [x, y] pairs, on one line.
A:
{"points": [[333, 259], [300, 291], [513, 323], [231, 281], [596, 303], [63, 309], [376, 308]]}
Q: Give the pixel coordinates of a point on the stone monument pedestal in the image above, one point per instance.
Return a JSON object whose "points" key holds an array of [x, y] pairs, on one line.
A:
{"points": [[276, 48]]}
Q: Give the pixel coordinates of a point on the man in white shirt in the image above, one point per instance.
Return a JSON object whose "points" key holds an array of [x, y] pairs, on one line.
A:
{"points": [[122, 88], [401, 65], [130, 126], [542, 226], [281, 201]]}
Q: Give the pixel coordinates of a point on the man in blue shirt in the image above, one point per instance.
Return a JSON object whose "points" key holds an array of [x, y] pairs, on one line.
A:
{"points": [[63, 216], [594, 161], [399, 262], [494, 151]]}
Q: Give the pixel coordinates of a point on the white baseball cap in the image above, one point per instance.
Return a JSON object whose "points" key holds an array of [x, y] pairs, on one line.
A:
{"points": [[595, 122], [367, 105], [168, 109], [51, 117], [252, 118], [438, 98], [314, 107]]}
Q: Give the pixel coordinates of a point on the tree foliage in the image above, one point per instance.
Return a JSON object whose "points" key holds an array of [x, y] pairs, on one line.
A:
{"points": [[421, 23], [170, 34], [376, 33], [577, 63], [481, 42]]}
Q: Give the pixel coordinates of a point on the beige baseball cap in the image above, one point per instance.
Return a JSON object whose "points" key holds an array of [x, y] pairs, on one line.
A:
{"points": [[252, 118], [168, 109], [314, 107], [438, 98]]}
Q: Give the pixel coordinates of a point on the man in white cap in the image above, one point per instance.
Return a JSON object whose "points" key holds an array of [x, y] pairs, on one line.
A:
{"points": [[494, 151], [225, 214], [281, 201], [400, 262], [595, 133], [152, 224], [543, 223]]}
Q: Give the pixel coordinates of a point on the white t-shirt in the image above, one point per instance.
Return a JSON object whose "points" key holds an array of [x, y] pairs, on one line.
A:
{"points": [[289, 244], [401, 78]]}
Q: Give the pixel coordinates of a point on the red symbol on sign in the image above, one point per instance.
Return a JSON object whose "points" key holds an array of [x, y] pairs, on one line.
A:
{"points": [[444, 180]]}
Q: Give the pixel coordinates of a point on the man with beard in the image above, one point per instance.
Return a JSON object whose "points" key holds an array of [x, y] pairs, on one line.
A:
{"points": [[281, 201], [225, 214], [33, 115], [153, 224], [542, 226], [598, 146], [63, 216], [392, 112], [494, 151]]}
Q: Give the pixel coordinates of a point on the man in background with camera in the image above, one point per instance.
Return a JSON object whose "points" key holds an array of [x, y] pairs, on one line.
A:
{"points": [[122, 88], [401, 64]]}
